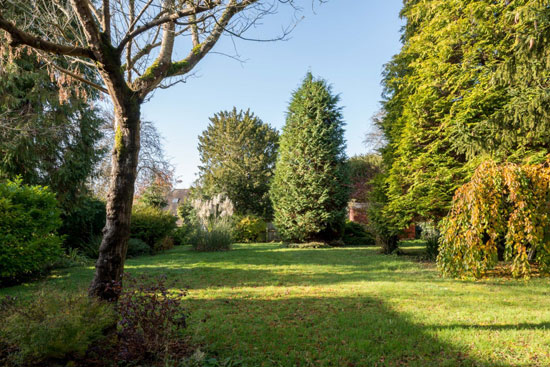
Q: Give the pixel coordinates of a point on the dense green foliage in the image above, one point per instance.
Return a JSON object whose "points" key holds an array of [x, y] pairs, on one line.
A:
{"points": [[154, 196], [238, 153], [356, 234], [47, 136], [54, 325], [310, 189], [249, 229], [501, 214], [137, 247], [28, 229], [152, 226], [471, 81], [84, 223]]}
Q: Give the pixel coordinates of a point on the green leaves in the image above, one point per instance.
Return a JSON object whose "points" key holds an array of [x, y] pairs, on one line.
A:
{"points": [[238, 153], [310, 189], [28, 224], [470, 82]]}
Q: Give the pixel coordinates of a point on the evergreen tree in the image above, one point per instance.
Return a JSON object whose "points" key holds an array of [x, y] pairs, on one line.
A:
{"points": [[470, 82], [238, 153], [47, 137], [310, 190]]}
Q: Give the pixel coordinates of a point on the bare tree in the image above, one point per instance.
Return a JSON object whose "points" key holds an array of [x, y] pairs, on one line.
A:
{"points": [[130, 44]]}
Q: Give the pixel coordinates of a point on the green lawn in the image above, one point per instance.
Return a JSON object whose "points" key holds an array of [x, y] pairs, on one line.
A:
{"points": [[271, 306]]}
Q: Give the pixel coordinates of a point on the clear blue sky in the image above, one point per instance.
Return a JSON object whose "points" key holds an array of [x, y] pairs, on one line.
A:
{"points": [[346, 42]]}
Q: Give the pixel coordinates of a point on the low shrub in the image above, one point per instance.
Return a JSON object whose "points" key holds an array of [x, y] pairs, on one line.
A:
{"points": [[182, 235], [151, 225], [215, 236], [355, 234], [83, 223], [29, 222], [137, 247], [151, 321], [164, 244], [250, 229], [307, 245], [53, 326]]}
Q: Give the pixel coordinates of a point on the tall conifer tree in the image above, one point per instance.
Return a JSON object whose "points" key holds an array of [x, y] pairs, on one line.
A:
{"points": [[310, 189]]}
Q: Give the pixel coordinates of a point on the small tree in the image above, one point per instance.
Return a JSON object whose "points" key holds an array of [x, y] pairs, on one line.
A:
{"points": [[502, 213], [238, 153], [310, 189]]}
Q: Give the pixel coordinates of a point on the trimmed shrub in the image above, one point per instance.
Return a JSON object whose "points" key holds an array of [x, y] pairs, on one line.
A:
{"points": [[28, 229], [215, 236], [83, 223], [152, 225], [250, 229], [53, 326], [355, 234], [137, 247]]}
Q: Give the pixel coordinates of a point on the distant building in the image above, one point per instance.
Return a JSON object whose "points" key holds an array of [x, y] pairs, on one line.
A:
{"points": [[175, 198], [357, 212]]}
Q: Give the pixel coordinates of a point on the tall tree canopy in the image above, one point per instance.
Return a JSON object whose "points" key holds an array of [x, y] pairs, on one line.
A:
{"points": [[310, 190], [126, 49], [238, 153], [472, 81]]}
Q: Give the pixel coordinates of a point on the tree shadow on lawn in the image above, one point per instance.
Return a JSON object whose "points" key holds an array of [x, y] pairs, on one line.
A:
{"points": [[354, 331]]}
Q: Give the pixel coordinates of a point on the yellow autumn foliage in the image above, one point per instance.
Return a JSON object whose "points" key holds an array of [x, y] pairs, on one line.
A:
{"points": [[503, 210]]}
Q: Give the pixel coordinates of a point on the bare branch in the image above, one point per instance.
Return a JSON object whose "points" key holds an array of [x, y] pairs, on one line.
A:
{"points": [[19, 37], [166, 19], [106, 24]]}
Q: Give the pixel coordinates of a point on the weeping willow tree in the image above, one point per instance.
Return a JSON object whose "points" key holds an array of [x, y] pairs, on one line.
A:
{"points": [[500, 214]]}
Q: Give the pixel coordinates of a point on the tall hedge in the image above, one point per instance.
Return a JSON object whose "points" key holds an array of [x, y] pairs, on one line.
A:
{"points": [[28, 224], [310, 189]]}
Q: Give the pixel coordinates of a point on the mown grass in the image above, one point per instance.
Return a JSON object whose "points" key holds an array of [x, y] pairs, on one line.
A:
{"points": [[273, 306]]}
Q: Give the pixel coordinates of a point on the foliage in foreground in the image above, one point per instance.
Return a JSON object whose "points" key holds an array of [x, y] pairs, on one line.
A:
{"points": [[310, 189], [59, 328], [52, 326], [501, 213], [29, 221]]}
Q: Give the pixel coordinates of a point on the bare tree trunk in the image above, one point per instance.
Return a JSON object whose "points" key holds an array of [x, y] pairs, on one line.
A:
{"points": [[112, 252]]}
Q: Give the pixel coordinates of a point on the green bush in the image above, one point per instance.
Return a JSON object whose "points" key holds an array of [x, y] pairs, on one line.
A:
{"points": [[137, 247], [355, 234], [151, 225], [28, 224], [250, 229], [215, 236], [53, 325], [83, 223], [182, 235]]}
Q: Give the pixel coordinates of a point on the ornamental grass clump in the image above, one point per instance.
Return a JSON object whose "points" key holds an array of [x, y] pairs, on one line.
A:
{"points": [[501, 214], [213, 228]]}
